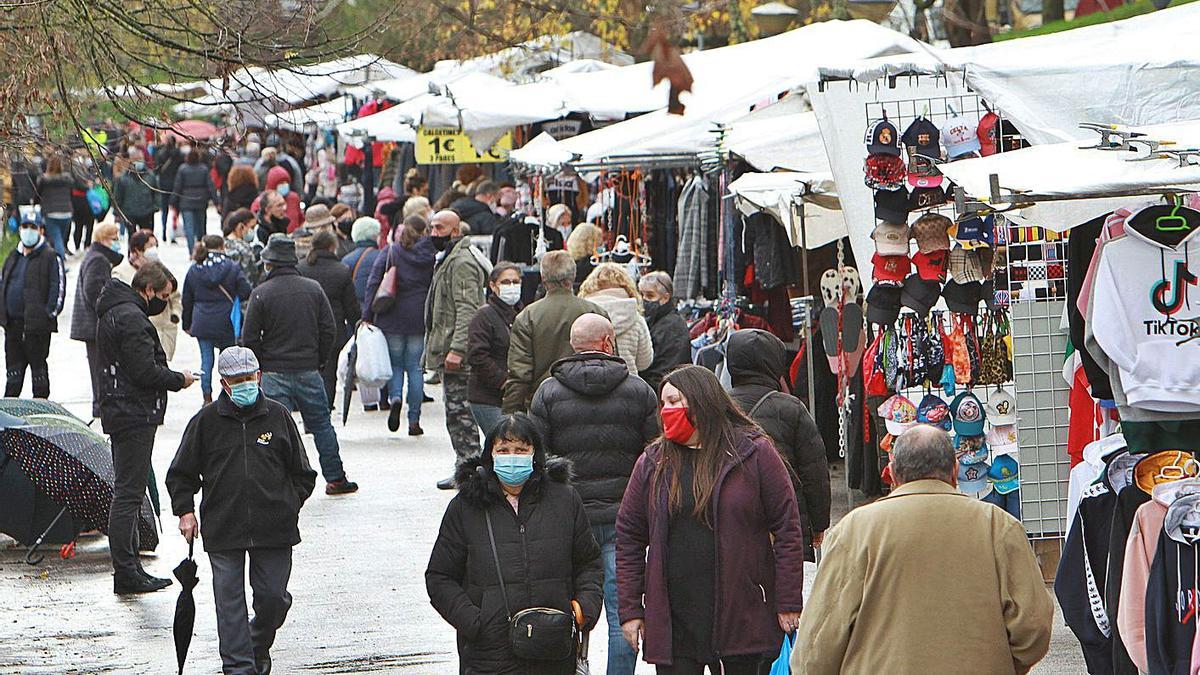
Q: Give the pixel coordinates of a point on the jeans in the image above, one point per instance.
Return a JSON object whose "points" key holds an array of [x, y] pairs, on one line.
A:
{"points": [[486, 416], [131, 451], [1010, 502], [730, 665], [195, 224], [208, 359], [305, 391], [57, 231], [241, 640], [406, 351], [24, 351], [621, 658], [168, 231]]}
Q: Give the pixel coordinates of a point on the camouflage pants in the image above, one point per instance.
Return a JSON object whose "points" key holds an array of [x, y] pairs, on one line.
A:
{"points": [[464, 432]]}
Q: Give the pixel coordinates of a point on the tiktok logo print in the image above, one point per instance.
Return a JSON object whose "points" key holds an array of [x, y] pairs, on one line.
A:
{"points": [[1169, 296]]}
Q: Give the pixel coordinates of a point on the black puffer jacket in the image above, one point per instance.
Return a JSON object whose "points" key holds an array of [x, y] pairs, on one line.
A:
{"points": [[135, 378], [547, 553], [593, 412], [672, 344], [193, 188], [289, 323], [338, 284], [476, 214], [45, 287], [487, 351], [757, 360], [253, 468], [94, 272]]}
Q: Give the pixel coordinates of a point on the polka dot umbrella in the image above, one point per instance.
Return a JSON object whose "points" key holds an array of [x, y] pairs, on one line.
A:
{"points": [[67, 461]]}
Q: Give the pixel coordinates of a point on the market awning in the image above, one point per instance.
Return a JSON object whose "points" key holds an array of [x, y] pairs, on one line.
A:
{"points": [[322, 116], [1073, 185], [782, 192]]}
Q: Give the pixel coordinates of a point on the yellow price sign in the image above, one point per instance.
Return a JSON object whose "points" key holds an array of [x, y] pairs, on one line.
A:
{"points": [[441, 145]]}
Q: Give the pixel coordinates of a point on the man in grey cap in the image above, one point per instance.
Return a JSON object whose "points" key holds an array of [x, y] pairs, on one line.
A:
{"points": [[246, 452], [289, 326]]}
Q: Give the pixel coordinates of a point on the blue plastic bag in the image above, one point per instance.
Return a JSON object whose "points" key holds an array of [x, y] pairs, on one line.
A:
{"points": [[235, 316], [782, 665], [97, 199]]}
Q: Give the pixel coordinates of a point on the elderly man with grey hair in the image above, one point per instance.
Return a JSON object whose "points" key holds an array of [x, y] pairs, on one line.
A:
{"points": [[541, 333], [925, 580], [593, 411], [668, 332]]}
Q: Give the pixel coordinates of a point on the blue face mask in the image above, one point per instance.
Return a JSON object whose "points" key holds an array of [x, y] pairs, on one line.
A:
{"points": [[115, 245], [283, 189], [244, 394], [30, 237], [513, 470]]}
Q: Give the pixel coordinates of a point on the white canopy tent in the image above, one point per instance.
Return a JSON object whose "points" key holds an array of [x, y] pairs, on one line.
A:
{"points": [[1085, 177], [1140, 71], [321, 116], [728, 82], [783, 194], [399, 122], [528, 59]]}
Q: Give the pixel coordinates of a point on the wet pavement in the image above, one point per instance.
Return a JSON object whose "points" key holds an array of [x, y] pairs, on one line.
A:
{"points": [[357, 580]]}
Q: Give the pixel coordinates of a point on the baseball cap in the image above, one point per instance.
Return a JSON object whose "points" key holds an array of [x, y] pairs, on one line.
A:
{"points": [[962, 298], [989, 134], [923, 173], [972, 478], [919, 294], [970, 449], [968, 414], [1002, 438], [959, 135], [891, 239], [974, 232], [1001, 408], [898, 413], [933, 410], [966, 266], [892, 205], [926, 198], [931, 266], [885, 172], [890, 270], [932, 232], [922, 137], [882, 138], [235, 361], [883, 304], [1004, 474]]}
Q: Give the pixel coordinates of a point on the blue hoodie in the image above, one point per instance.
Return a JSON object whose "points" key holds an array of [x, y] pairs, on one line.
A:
{"points": [[414, 275], [206, 308]]}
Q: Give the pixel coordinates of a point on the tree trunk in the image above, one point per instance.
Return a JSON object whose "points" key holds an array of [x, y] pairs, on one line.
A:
{"points": [[1052, 10]]}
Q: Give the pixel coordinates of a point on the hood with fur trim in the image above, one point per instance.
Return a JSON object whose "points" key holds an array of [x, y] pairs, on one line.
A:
{"points": [[479, 487]]}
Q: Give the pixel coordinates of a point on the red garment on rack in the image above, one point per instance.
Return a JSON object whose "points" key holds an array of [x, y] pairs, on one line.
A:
{"points": [[1083, 418]]}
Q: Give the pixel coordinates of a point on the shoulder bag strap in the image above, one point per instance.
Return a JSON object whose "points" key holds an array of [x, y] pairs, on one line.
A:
{"points": [[487, 516], [354, 272], [760, 402]]}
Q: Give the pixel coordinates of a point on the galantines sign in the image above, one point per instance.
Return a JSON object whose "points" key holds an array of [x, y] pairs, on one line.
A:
{"points": [[439, 145]]}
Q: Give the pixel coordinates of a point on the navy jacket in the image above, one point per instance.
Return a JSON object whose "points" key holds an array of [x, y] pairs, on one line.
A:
{"points": [[42, 286], [206, 309], [365, 252], [414, 275]]}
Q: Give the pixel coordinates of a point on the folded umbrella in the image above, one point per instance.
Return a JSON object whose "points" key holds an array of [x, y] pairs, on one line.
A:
{"points": [[185, 607]]}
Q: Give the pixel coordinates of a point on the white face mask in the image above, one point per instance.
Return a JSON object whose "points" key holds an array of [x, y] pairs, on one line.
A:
{"points": [[150, 253], [510, 293]]}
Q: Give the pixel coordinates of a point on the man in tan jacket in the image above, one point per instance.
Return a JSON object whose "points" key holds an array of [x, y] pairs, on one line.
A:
{"points": [[925, 581]]}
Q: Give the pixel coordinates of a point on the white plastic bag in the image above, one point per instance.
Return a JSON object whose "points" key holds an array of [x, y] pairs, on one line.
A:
{"points": [[373, 367], [344, 370]]}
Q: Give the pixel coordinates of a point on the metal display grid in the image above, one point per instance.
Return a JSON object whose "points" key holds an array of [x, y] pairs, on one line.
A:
{"points": [[1039, 345]]}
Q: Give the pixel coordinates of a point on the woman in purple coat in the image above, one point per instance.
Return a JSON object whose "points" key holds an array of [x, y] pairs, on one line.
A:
{"points": [[713, 502]]}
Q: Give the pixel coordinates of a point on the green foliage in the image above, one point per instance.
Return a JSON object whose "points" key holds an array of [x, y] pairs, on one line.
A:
{"points": [[1123, 12]]}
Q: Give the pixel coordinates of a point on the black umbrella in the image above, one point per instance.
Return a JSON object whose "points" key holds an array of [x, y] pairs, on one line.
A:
{"points": [[27, 514], [185, 607], [348, 385], [67, 462]]}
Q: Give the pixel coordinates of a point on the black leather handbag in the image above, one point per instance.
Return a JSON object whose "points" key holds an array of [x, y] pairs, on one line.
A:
{"points": [[537, 633]]}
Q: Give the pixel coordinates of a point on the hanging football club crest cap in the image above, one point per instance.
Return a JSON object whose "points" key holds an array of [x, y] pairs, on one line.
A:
{"points": [[882, 138]]}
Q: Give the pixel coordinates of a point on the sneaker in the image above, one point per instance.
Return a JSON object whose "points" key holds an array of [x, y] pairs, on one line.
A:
{"points": [[341, 487], [394, 418], [433, 377], [415, 429], [127, 585], [262, 662], [446, 484], [371, 408], [427, 399]]}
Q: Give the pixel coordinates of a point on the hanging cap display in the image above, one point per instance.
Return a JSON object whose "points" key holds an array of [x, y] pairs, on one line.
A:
{"points": [[889, 270], [989, 134], [923, 198], [962, 298], [891, 239], [1004, 474], [966, 266], [1164, 467], [884, 172], [972, 478], [883, 304], [932, 232], [899, 414], [920, 295], [931, 266], [922, 138], [1003, 438], [892, 205], [976, 232], [959, 135], [882, 138], [968, 414], [970, 449], [933, 410], [1001, 408]]}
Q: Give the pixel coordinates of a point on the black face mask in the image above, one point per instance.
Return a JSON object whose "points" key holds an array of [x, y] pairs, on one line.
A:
{"points": [[440, 243], [650, 307], [155, 306]]}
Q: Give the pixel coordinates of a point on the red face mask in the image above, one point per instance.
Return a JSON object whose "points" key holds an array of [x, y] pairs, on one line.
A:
{"points": [[676, 425]]}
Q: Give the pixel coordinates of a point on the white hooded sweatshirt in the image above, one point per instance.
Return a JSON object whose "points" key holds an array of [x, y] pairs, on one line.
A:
{"points": [[1146, 314]]}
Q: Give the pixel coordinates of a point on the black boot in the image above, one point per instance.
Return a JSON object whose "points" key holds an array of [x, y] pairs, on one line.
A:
{"points": [[130, 585], [262, 662]]}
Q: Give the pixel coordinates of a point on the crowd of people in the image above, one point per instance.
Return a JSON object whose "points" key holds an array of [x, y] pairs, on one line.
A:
{"points": [[597, 470]]}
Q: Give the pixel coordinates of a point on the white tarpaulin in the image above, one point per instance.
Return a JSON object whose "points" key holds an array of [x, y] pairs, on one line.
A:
{"points": [[1063, 169], [792, 142], [530, 58], [399, 122], [322, 116], [781, 193]]}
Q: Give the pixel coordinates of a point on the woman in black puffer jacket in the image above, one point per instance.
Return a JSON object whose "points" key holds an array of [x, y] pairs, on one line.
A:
{"points": [[757, 362], [546, 550]]}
